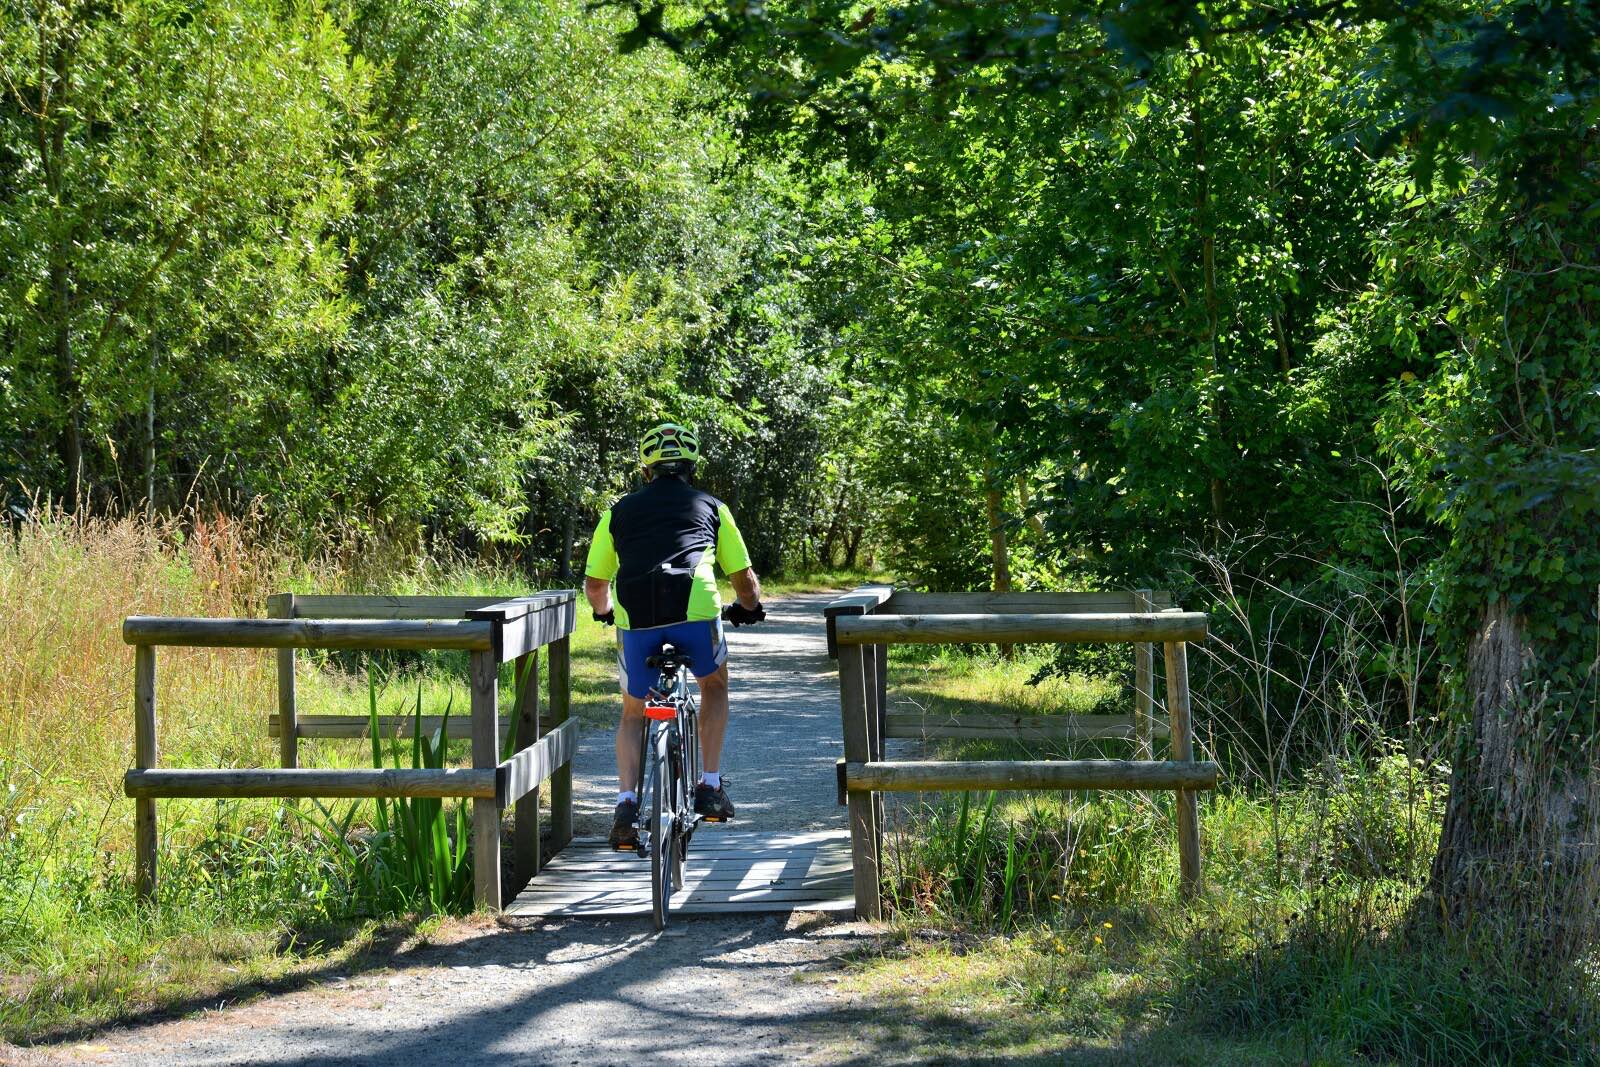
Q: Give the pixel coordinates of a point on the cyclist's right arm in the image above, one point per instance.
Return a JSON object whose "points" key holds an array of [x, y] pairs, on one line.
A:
{"points": [[601, 567]]}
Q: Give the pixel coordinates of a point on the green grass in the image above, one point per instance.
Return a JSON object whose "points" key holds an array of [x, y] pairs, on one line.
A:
{"points": [[250, 892], [1046, 928]]}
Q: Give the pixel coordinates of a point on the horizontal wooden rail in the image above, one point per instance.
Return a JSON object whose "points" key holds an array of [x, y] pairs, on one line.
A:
{"points": [[1014, 629], [356, 726], [277, 782], [907, 602], [469, 635], [359, 606], [932, 776], [522, 773], [915, 724]]}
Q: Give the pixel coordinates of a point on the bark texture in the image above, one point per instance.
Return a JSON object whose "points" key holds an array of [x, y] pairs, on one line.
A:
{"points": [[1520, 830]]}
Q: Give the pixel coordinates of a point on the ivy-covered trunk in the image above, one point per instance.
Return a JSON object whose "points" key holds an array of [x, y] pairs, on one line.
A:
{"points": [[1521, 837], [1502, 442]]}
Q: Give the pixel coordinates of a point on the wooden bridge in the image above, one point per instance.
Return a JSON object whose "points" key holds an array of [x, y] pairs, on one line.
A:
{"points": [[552, 874]]}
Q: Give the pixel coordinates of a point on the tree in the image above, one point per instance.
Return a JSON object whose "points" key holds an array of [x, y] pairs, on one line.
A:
{"points": [[1503, 97]]}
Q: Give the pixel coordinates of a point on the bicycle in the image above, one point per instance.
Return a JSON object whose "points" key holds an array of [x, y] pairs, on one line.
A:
{"points": [[669, 767]]}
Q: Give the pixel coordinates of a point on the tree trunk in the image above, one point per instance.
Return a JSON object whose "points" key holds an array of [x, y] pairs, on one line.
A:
{"points": [[150, 440], [568, 530], [52, 130], [1025, 501], [999, 555], [1521, 835]]}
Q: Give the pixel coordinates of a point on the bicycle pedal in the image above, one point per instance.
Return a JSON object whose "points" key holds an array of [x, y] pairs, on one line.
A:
{"points": [[712, 818]]}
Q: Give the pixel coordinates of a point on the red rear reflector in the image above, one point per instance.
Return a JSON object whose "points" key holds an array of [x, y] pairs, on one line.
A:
{"points": [[661, 712]]}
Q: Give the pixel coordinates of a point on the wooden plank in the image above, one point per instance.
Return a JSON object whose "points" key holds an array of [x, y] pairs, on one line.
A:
{"points": [[533, 630], [145, 754], [310, 782], [864, 848], [358, 726], [689, 894], [517, 607], [1143, 701], [1188, 814], [724, 836], [485, 683], [863, 600], [306, 633], [281, 606], [578, 911], [915, 724], [1013, 629], [934, 776], [523, 772], [755, 870], [906, 602], [560, 694], [343, 606], [525, 822]]}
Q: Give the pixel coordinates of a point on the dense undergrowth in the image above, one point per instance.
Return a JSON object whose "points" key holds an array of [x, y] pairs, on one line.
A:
{"points": [[1050, 922]]}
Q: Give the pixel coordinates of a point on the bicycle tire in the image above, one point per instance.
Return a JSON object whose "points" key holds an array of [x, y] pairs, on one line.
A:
{"points": [[680, 841], [662, 843]]}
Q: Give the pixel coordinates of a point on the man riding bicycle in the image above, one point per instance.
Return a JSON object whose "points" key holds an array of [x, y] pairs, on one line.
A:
{"points": [[656, 545]]}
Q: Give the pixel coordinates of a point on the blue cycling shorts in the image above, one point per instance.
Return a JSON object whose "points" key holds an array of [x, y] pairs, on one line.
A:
{"points": [[701, 641]]}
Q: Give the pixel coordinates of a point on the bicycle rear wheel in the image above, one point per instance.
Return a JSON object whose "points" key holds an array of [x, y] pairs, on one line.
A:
{"points": [[663, 842]]}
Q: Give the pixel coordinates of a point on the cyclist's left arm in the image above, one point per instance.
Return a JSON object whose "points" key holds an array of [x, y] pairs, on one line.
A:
{"points": [[734, 559]]}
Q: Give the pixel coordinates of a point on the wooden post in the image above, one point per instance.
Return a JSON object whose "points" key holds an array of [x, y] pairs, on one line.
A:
{"points": [[854, 709], [281, 606], [485, 674], [1182, 742], [144, 758], [525, 834], [1143, 682], [560, 708], [873, 713]]}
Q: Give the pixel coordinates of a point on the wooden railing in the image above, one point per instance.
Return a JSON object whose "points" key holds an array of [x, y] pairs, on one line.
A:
{"points": [[492, 631], [862, 625]]}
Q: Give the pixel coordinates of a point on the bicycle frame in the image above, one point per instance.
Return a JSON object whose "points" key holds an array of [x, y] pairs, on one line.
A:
{"points": [[673, 745]]}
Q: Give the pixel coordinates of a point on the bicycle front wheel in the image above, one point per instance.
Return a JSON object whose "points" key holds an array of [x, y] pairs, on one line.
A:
{"points": [[663, 842]]}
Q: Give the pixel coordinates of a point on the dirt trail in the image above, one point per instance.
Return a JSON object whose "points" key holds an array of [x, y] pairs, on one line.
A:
{"points": [[713, 990]]}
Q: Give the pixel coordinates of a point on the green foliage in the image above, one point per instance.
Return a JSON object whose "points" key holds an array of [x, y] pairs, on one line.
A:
{"points": [[396, 266]]}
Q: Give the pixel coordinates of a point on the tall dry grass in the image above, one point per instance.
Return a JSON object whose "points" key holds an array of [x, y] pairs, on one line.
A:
{"points": [[66, 678]]}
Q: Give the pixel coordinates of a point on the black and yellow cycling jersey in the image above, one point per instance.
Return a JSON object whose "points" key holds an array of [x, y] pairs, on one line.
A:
{"points": [[657, 545]]}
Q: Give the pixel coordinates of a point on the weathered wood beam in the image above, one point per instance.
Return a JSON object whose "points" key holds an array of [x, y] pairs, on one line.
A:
{"points": [[469, 635], [936, 776], [983, 602], [309, 782], [916, 724], [1012, 629], [345, 606], [517, 635], [863, 600], [357, 726], [523, 772]]}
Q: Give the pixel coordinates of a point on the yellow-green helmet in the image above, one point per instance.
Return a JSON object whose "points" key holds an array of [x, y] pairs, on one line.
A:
{"points": [[668, 442]]}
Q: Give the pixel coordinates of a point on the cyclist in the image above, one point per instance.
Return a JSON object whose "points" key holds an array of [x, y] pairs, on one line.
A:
{"points": [[656, 547]]}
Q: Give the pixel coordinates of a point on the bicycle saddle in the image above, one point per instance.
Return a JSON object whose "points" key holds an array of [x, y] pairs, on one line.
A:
{"points": [[668, 659]]}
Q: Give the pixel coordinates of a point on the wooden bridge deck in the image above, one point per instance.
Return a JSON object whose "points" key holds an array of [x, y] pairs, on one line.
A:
{"points": [[728, 870]]}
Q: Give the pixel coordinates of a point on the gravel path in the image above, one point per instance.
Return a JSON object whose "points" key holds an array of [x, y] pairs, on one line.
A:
{"points": [[713, 990]]}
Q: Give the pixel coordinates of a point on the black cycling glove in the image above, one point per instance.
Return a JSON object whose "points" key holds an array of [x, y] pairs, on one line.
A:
{"points": [[736, 614], [608, 619]]}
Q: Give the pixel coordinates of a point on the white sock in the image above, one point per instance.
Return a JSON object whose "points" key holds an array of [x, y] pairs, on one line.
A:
{"points": [[629, 795], [712, 778]]}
